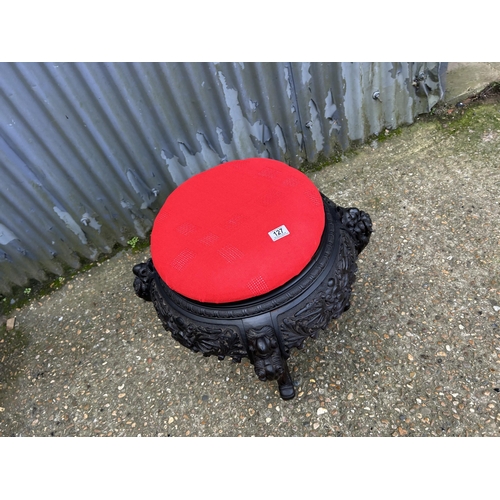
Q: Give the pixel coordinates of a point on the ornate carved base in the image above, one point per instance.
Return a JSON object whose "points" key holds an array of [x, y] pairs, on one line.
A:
{"points": [[266, 328]]}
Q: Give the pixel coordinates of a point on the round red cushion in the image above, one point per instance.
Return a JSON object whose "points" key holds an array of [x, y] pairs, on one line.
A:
{"points": [[237, 231]]}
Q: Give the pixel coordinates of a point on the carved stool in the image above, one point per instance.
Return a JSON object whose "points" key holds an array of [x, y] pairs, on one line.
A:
{"points": [[248, 260]]}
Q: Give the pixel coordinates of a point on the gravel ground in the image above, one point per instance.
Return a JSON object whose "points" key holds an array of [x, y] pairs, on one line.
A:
{"points": [[418, 353]]}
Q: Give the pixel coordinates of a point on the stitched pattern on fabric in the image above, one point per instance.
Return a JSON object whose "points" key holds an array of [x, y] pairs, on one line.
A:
{"points": [[186, 228], [182, 259], [257, 285], [209, 239], [230, 253], [269, 197]]}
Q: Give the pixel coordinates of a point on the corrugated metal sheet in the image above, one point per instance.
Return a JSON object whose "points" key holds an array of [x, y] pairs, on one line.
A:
{"points": [[89, 152]]}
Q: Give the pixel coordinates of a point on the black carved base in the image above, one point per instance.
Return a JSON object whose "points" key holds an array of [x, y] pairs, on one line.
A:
{"points": [[266, 328]]}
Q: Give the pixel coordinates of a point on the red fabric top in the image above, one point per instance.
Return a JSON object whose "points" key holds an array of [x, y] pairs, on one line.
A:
{"points": [[237, 231]]}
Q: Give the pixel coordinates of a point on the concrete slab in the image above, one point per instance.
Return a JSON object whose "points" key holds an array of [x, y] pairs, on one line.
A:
{"points": [[464, 79]]}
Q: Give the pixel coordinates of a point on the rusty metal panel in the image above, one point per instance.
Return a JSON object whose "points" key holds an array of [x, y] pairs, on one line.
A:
{"points": [[90, 151]]}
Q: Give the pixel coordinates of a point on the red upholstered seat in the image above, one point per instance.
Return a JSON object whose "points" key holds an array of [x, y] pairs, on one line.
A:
{"points": [[237, 231]]}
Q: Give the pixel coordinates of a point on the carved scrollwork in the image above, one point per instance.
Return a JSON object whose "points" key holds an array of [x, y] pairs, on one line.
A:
{"points": [[329, 302], [220, 341], [265, 353]]}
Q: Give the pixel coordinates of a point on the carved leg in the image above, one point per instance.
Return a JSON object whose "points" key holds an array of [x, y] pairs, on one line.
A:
{"points": [[268, 362], [285, 383]]}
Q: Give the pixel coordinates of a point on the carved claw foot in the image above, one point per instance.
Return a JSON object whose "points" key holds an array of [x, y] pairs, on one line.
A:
{"points": [[285, 383]]}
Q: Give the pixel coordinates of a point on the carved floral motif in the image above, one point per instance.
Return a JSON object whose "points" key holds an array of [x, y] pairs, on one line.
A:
{"points": [[220, 341], [328, 303]]}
